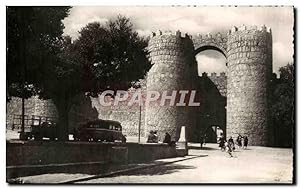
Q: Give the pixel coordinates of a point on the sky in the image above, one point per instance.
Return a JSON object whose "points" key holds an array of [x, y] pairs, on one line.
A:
{"points": [[195, 20]]}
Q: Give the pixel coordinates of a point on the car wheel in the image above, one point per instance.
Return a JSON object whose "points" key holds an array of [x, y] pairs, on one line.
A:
{"points": [[84, 139], [111, 139], [23, 136], [38, 137]]}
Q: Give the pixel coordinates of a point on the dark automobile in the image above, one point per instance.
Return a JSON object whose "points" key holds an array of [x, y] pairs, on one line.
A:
{"points": [[100, 130], [47, 129], [38, 131]]}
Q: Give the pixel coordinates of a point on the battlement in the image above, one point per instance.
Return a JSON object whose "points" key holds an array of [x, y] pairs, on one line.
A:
{"points": [[241, 28], [170, 33], [209, 36], [217, 40], [223, 75], [213, 74]]}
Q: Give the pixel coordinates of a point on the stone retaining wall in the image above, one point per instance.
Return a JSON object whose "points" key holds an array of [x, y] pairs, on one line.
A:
{"points": [[31, 157]]}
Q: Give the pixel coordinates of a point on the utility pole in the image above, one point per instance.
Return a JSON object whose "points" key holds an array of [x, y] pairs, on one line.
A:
{"points": [[140, 119], [23, 59]]}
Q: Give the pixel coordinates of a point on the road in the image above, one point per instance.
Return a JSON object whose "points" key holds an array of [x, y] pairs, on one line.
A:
{"points": [[254, 165]]}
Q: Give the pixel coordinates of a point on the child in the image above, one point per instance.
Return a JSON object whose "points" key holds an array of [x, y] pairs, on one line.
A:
{"points": [[228, 149]]}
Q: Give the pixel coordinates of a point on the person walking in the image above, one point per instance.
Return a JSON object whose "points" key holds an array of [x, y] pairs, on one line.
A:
{"points": [[245, 142], [201, 141], [231, 143], [239, 141], [222, 143], [204, 139], [228, 149]]}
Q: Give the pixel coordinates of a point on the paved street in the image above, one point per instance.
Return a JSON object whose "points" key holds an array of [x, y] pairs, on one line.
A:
{"points": [[254, 165]]}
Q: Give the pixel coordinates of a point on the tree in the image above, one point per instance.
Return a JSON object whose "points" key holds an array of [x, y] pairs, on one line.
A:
{"points": [[32, 33], [113, 55], [283, 105], [110, 56]]}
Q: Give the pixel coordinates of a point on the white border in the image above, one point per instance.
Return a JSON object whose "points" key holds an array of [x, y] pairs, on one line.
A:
{"points": [[117, 3]]}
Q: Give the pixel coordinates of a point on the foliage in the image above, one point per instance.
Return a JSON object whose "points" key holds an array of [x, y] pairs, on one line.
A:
{"points": [[283, 103], [32, 33], [283, 107], [113, 55]]}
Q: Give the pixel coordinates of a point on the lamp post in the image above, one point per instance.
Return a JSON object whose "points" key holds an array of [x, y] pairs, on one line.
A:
{"points": [[23, 59], [140, 119]]}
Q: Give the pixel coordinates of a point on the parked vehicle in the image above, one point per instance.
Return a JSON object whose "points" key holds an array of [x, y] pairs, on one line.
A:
{"points": [[38, 132], [47, 129], [100, 130], [36, 127]]}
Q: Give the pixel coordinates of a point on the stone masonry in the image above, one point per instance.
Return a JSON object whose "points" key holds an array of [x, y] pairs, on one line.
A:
{"points": [[249, 66], [172, 57], [33, 107]]}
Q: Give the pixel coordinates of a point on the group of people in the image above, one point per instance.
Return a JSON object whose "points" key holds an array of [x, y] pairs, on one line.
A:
{"points": [[153, 138], [229, 146], [242, 141]]}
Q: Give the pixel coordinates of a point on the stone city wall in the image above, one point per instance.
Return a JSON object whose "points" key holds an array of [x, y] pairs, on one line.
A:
{"points": [[83, 109], [128, 116], [220, 81], [33, 107]]}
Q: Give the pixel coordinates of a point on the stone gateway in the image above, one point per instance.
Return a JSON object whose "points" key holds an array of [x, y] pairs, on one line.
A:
{"points": [[249, 67]]}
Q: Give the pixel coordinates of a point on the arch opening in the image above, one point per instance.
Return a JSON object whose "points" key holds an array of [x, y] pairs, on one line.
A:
{"points": [[209, 47], [211, 115], [211, 60]]}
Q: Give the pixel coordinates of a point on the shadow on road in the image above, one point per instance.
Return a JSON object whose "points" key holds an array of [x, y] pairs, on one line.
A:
{"points": [[105, 170], [161, 170], [203, 148], [93, 169]]}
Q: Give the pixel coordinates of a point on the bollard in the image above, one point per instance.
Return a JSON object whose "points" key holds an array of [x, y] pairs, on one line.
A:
{"points": [[181, 145]]}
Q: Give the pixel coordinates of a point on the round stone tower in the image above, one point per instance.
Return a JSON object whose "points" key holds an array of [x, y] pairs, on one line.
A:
{"points": [[173, 59], [249, 69]]}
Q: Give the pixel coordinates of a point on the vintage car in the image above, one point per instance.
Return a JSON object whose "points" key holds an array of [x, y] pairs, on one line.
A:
{"points": [[47, 129], [100, 130]]}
